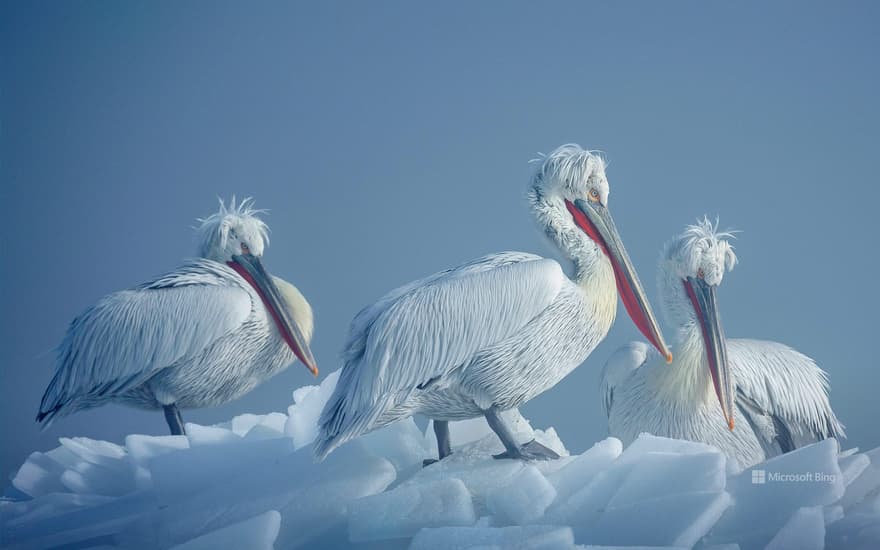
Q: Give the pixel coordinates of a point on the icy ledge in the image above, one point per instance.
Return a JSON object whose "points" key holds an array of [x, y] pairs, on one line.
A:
{"points": [[251, 483]]}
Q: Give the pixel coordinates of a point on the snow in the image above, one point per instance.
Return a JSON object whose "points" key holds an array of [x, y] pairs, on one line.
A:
{"points": [[252, 483]]}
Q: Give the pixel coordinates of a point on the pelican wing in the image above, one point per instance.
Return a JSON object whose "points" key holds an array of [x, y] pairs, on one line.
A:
{"points": [[782, 393], [128, 336], [419, 333], [620, 367]]}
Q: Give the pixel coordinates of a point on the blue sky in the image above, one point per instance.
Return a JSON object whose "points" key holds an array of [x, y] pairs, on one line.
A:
{"points": [[392, 139]]}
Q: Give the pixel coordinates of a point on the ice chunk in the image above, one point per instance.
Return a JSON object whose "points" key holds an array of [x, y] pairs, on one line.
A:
{"points": [[176, 475], [583, 468], [80, 527], [678, 520], [400, 442], [524, 499], [242, 424], [647, 443], [257, 533], [587, 502], [269, 426], [403, 511], [311, 497], [54, 504], [209, 435], [143, 448], [92, 479], [529, 537], [852, 467], [832, 513], [865, 483], [662, 474], [477, 470], [804, 531], [102, 453], [768, 494], [303, 415], [39, 475]]}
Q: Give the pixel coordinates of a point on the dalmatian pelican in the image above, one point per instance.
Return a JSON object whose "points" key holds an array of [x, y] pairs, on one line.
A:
{"points": [[199, 336], [779, 396]]}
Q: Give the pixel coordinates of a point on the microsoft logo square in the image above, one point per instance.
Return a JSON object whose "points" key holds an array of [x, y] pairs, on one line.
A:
{"points": [[759, 477]]}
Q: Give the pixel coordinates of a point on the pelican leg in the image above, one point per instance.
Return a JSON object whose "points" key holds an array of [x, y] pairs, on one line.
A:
{"points": [[527, 451], [175, 421], [444, 447]]}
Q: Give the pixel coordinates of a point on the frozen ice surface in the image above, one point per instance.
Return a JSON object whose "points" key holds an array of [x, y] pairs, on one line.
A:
{"points": [[401, 512], [804, 531], [257, 533], [529, 537], [524, 499], [252, 482]]}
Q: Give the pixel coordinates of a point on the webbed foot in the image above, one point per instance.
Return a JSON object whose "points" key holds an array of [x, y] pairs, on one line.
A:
{"points": [[530, 451]]}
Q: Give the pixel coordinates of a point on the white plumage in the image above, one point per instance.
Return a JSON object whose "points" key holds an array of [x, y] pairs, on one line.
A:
{"points": [[198, 336], [781, 396], [491, 334]]}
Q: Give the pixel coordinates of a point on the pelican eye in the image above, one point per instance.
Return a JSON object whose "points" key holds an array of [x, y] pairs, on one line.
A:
{"points": [[245, 249], [594, 195], [700, 274]]}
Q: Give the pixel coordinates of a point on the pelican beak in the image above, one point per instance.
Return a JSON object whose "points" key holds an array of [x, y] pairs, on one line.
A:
{"points": [[703, 298], [595, 220], [251, 269]]}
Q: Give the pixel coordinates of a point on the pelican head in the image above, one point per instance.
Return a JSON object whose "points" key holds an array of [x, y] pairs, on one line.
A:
{"points": [[236, 236], [692, 268], [569, 196]]}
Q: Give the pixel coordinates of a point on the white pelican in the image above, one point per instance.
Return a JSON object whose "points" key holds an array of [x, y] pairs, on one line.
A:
{"points": [[491, 334], [201, 335], [781, 395]]}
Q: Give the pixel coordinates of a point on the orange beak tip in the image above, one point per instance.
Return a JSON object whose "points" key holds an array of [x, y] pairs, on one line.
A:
{"points": [[730, 424], [668, 357]]}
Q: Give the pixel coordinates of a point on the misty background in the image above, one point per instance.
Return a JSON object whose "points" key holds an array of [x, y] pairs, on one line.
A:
{"points": [[391, 139]]}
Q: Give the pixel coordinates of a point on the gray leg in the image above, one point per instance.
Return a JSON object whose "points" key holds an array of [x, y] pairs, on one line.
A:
{"points": [[444, 447], [529, 451], [175, 421]]}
